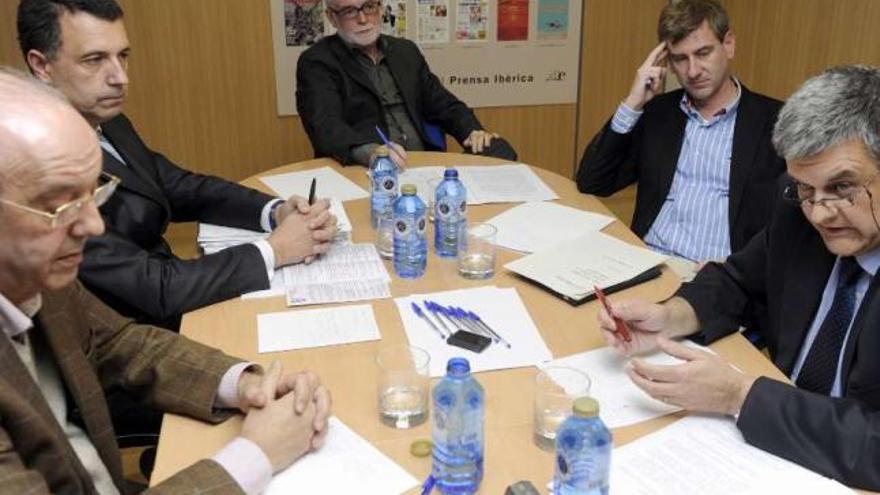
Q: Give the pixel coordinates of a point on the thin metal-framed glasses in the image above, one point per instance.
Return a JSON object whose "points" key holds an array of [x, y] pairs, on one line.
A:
{"points": [[67, 213], [348, 13], [844, 195]]}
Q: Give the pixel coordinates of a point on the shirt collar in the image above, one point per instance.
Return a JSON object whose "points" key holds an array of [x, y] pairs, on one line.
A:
{"points": [[691, 111], [870, 261], [15, 320]]}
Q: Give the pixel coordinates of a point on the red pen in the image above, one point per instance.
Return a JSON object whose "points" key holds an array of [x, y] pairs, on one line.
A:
{"points": [[621, 326]]}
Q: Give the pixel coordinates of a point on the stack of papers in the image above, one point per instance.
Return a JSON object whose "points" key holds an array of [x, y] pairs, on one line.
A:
{"points": [[573, 268], [511, 183], [323, 327], [347, 464], [622, 403], [702, 454], [501, 309], [535, 226], [213, 238], [329, 184], [352, 272]]}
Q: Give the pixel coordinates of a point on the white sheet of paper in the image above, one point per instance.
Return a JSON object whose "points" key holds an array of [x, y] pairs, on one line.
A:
{"points": [[501, 309], [622, 403], [538, 225], [698, 455], [511, 183], [351, 272], [575, 266], [420, 177], [304, 329], [330, 184], [347, 464]]}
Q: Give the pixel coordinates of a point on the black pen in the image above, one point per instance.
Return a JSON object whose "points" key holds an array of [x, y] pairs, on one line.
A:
{"points": [[312, 191]]}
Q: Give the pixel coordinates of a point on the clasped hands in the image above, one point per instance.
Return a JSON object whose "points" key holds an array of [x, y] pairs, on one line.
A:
{"points": [[286, 415], [304, 231], [704, 382]]}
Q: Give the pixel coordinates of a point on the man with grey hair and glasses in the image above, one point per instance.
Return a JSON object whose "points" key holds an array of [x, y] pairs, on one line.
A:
{"points": [[808, 278], [358, 79]]}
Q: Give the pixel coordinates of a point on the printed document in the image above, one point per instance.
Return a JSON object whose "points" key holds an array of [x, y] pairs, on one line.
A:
{"points": [[501, 309], [352, 272], [309, 328], [698, 455], [534, 226], [622, 402], [574, 267], [330, 184], [510, 183], [347, 464]]}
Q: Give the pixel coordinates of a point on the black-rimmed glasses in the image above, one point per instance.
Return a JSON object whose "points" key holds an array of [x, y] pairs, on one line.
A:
{"points": [[368, 8], [840, 194], [67, 213]]}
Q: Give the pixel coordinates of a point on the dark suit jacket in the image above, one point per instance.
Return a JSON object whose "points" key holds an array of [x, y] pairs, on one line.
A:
{"points": [[778, 279], [340, 108], [95, 348], [649, 154], [132, 268]]}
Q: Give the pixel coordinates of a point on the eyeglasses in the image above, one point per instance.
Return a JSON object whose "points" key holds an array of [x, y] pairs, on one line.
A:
{"points": [[842, 194], [67, 213], [348, 13]]}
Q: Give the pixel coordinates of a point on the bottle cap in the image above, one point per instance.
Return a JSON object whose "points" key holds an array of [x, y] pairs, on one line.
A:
{"points": [[586, 407], [381, 151], [421, 448], [458, 366], [450, 173], [408, 189]]}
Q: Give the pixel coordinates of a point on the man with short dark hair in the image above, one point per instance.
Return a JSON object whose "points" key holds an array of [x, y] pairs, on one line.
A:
{"points": [[81, 48], [810, 279], [353, 81], [61, 348], [701, 155]]}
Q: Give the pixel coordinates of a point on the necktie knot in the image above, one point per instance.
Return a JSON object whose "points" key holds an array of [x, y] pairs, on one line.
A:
{"points": [[849, 271]]}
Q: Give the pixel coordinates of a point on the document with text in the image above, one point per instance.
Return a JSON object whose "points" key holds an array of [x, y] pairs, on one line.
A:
{"points": [[330, 184], [352, 272], [304, 329], [698, 455], [538, 225], [347, 464], [509, 183], [574, 267]]}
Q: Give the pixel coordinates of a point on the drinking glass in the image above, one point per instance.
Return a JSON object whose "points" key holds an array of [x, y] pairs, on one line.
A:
{"points": [[404, 385], [556, 388], [476, 251]]}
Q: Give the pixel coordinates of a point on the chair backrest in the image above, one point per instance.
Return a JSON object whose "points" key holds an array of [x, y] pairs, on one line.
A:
{"points": [[435, 135]]}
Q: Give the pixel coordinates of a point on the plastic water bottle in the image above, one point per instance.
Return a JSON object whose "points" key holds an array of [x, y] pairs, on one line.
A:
{"points": [[410, 248], [450, 214], [383, 175], [458, 430], [583, 452]]}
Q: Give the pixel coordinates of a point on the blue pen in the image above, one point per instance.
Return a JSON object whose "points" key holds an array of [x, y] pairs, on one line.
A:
{"points": [[433, 309], [441, 311], [421, 315], [384, 138], [462, 320], [497, 336]]}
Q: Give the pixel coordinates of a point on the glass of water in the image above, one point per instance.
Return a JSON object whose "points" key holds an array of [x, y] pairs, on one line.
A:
{"points": [[556, 388], [404, 385], [476, 251], [385, 236]]}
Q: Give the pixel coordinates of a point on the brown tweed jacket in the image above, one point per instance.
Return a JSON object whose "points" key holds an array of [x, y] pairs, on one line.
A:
{"points": [[94, 349]]}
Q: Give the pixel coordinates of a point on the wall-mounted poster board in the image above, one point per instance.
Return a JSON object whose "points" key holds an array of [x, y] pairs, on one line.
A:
{"points": [[488, 52]]}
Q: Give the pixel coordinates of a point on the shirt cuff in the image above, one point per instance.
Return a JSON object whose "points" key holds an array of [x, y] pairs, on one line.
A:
{"points": [[625, 118], [227, 392], [268, 255], [247, 464], [361, 154], [265, 215]]}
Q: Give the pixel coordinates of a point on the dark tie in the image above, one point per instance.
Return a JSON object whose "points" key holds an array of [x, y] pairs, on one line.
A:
{"points": [[820, 366]]}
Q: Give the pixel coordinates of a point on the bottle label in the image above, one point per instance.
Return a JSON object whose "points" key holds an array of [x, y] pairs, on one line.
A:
{"points": [[450, 209], [408, 226], [385, 183]]}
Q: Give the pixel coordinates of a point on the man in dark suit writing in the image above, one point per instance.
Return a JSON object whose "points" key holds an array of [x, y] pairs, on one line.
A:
{"points": [[701, 155], [81, 48], [60, 347], [809, 279], [355, 80]]}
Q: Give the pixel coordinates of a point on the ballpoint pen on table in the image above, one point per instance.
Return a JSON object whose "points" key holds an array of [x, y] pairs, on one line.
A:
{"points": [[438, 311], [462, 317], [433, 310], [312, 191], [495, 335], [418, 311], [620, 326]]}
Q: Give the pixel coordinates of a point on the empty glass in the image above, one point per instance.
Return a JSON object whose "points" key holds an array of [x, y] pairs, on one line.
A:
{"points": [[404, 385], [556, 388], [476, 251]]}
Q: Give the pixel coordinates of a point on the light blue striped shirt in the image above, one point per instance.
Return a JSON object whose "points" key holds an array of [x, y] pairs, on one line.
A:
{"points": [[693, 221], [869, 262]]}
